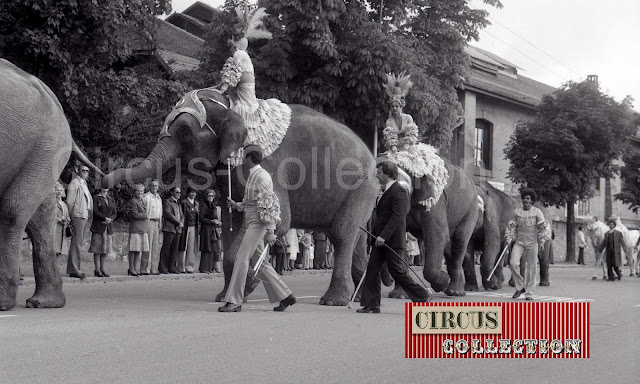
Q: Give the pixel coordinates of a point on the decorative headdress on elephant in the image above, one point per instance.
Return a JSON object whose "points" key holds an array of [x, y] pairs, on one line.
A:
{"points": [[250, 26], [397, 88]]}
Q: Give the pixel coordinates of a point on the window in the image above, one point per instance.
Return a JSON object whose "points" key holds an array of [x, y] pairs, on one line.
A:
{"points": [[482, 150]]}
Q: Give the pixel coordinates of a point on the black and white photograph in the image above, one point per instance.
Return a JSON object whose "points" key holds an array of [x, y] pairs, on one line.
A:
{"points": [[319, 191]]}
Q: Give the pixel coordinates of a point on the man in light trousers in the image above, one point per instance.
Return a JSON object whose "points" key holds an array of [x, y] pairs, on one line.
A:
{"points": [[153, 202], [261, 212]]}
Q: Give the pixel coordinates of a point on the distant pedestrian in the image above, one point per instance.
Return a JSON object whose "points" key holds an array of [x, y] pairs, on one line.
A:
{"points": [[307, 248], [61, 243], [613, 244], [80, 205], [138, 237], [320, 257], [172, 225], [413, 250], [292, 247], [189, 239], [582, 243], [210, 234], [104, 212], [153, 205]]}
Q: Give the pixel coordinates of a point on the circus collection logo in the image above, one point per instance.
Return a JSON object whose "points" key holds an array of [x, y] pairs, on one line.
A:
{"points": [[497, 330]]}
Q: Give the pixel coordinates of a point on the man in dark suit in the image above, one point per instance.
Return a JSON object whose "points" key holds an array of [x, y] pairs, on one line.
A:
{"points": [[171, 230], [389, 227]]}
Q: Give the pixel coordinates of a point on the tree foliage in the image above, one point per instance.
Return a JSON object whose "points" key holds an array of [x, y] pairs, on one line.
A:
{"points": [[333, 55], [576, 137], [83, 49], [630, 174]]}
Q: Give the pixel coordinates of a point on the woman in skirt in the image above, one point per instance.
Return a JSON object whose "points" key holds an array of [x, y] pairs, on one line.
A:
{"points": [[61, 244], [138, 223], [210, 231], [104, 212]]}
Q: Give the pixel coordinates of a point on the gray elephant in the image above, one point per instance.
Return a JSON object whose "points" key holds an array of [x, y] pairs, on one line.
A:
{"points": [[488, 237], [446, 230], [35, 146], [323, 175]]}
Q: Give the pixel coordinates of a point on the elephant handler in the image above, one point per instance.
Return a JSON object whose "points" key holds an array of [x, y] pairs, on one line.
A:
{"points": [[261, 213], [389, 226], [529, 230]]}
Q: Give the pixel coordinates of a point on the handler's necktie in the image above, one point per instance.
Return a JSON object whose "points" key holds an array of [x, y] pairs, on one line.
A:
{"points": [[382, 189]]}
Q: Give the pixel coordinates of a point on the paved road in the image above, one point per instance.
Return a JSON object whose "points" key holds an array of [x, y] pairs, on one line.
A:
{"points": [[167, 330]]}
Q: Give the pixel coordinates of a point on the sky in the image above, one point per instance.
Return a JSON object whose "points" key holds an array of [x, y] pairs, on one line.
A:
{"points": [[554, 41]]}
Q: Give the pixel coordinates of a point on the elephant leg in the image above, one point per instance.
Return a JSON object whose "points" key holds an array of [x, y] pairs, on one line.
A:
{"points": [[435, 236], [48, 292], [345, 230], [360, 260], [10, 238], [544, 264], [489, 254], [459, 243], [470, 282]]}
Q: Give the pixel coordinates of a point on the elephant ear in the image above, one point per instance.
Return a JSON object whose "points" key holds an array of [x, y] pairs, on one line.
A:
{"points": [[233, 134]]}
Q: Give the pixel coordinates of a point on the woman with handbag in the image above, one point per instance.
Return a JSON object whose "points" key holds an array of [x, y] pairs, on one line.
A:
{"points": [[62, 229], [210, 234], [104, 212]]}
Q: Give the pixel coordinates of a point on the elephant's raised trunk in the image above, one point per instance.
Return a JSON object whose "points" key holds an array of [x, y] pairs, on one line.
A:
{"points": [[161, 159]]}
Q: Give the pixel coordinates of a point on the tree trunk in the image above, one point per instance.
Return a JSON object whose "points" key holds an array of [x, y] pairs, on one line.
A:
{"points": [[608, 202], [571, 235]]}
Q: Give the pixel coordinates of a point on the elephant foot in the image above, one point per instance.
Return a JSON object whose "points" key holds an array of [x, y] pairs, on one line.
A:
{"points": [[544, 283], [7, 305], [53, 300], [491, 285], [471, 287], [398, 293], [454, 291], [331, 298], [220, 296], [440, 282]]}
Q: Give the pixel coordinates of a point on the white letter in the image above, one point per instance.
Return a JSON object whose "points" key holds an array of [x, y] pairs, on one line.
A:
{"points": [[543, 346], [572, 345], [447, 347], [489, 347], [475, 347], [505, 346], [462, 346], [531, 345], [556, 346], [517, 346]]}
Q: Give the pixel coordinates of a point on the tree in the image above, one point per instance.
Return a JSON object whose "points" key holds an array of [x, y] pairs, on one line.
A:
{"points": [[82, 49], [630, 174], [333, 56], [576, 136]]}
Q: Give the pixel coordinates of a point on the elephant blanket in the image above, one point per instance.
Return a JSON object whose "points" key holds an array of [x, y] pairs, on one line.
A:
{"points": [[266, 126]]}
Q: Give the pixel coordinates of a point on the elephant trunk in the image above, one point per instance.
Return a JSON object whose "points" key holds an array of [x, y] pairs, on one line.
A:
{"points": [[161, 159]]}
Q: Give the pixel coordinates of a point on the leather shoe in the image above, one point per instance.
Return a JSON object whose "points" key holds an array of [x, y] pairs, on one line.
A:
{"points": [[97, 274], [155, 273], [228, 307], [79, 275], [287, 302], [518, 293], [104, 274], [368, 310]]}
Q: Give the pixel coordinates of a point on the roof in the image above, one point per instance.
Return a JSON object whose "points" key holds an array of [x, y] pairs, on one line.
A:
{"points": [[493, 76], [201, 11], [174, 39], [177, 62]]}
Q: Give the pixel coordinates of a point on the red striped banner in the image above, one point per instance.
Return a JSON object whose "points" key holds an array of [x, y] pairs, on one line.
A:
{"points": [[529, 330]]}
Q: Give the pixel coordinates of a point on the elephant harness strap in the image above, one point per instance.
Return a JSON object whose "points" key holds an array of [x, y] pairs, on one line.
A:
{"points": [[190, 103]]}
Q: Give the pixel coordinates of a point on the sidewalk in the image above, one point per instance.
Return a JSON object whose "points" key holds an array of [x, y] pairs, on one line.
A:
{"points": [[117, 271]]}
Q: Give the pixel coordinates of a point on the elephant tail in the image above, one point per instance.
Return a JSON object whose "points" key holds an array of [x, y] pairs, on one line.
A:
{"points": [[78, 154]]}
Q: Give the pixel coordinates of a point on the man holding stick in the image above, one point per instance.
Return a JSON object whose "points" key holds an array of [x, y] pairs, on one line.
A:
{"points": [[261, 213], [389, 227]]}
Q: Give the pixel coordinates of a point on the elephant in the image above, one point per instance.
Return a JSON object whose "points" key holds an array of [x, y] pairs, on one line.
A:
{"points": [[35, 145], [323, 176], [488, 236], [445, 230]]}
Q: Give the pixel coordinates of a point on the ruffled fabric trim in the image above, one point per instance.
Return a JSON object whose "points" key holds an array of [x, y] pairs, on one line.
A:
{"points": [[231, 72], [268, 207], [391, 136], [511, 231], [422, 160], [544, 233], [266, 126]]}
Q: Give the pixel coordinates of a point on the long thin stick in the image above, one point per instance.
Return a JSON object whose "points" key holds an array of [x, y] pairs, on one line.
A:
{"points": [[404, 261], [229, 179], [498, 263], [357, 289]]}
